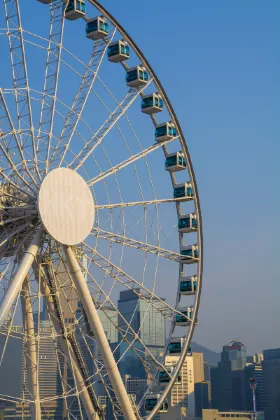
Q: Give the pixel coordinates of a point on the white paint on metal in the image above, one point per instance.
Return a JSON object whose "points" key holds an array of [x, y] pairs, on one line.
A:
{"points": [[66, 206]]}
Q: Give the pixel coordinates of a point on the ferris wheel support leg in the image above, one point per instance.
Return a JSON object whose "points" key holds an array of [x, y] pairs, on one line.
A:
{"points": [[31, 359], [101, 339], [16, 284], [82, 389]]}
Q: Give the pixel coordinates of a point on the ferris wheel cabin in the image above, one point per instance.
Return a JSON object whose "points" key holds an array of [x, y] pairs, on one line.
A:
{"points": [[187, 223], [118, 51], [188, 285], [151, 402], [176, 344], [75, 9], [189, 254], [185, 318], [165, 376], [137, 76], [175, 162], [183, 191], [165, 131], [97, 28], [152, 103]]}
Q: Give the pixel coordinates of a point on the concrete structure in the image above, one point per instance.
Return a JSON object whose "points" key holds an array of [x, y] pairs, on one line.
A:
{"points": [[271, 382], [198, 367], [182, 395], [240, 415]]}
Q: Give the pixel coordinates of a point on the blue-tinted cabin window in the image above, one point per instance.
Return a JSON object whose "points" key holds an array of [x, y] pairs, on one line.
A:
{"points": [[80, 5], [179, 192], [182, 318], [150, 404], [194, 223], [92, 26], [174, 131], [70, 7], [186, 286], [187, 252], [182, 161], [189, 192], [184, 223], [196, 253], [147, 102], [171, 161], [103, 26], [132, 75], [164, 407], [170, 131], [164, 377], [160, 131], [113, 50], [175, 347], [125, 50]]}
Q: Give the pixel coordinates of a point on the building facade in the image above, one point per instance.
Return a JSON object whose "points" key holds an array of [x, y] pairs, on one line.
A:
{"points": [[182, 394], [150, 326], [271, 383], [240, 415]]}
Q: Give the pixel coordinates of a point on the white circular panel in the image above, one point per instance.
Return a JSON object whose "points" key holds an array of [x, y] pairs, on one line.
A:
{"points": [[66, 206]]}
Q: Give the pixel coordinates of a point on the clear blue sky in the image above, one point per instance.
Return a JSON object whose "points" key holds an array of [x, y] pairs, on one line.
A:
{"points": [[219, 62]]}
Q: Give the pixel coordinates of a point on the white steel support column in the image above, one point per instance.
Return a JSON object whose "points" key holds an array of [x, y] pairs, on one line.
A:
{"points": [[101, 339], [82, 389], [20, 275], [31, 356]]}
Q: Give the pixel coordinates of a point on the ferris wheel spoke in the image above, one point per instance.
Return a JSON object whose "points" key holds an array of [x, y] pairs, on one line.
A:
{"points": [[97, 138], [127, 162], [124, 241], [19, 73], [53, 61], [129, 282], [141, 203], [77, 108], [7, 142]]}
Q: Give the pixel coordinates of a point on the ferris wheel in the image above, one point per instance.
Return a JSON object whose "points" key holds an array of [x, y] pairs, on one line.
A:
{"points": [[101, 231]]}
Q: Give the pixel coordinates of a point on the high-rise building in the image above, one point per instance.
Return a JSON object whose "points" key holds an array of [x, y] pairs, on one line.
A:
{"points": [[198, 367], [50, 371], [233, 358], [202, 392], [271, 382], [235, 353], [182, 394], [206, 371], [149, 324], [254, 371]]}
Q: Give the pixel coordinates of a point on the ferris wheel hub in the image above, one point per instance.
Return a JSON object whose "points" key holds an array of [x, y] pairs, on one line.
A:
{"points": [[66, 206]]}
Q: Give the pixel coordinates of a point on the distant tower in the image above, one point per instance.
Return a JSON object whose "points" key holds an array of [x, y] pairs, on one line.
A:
{"points": [[253, 385]]}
